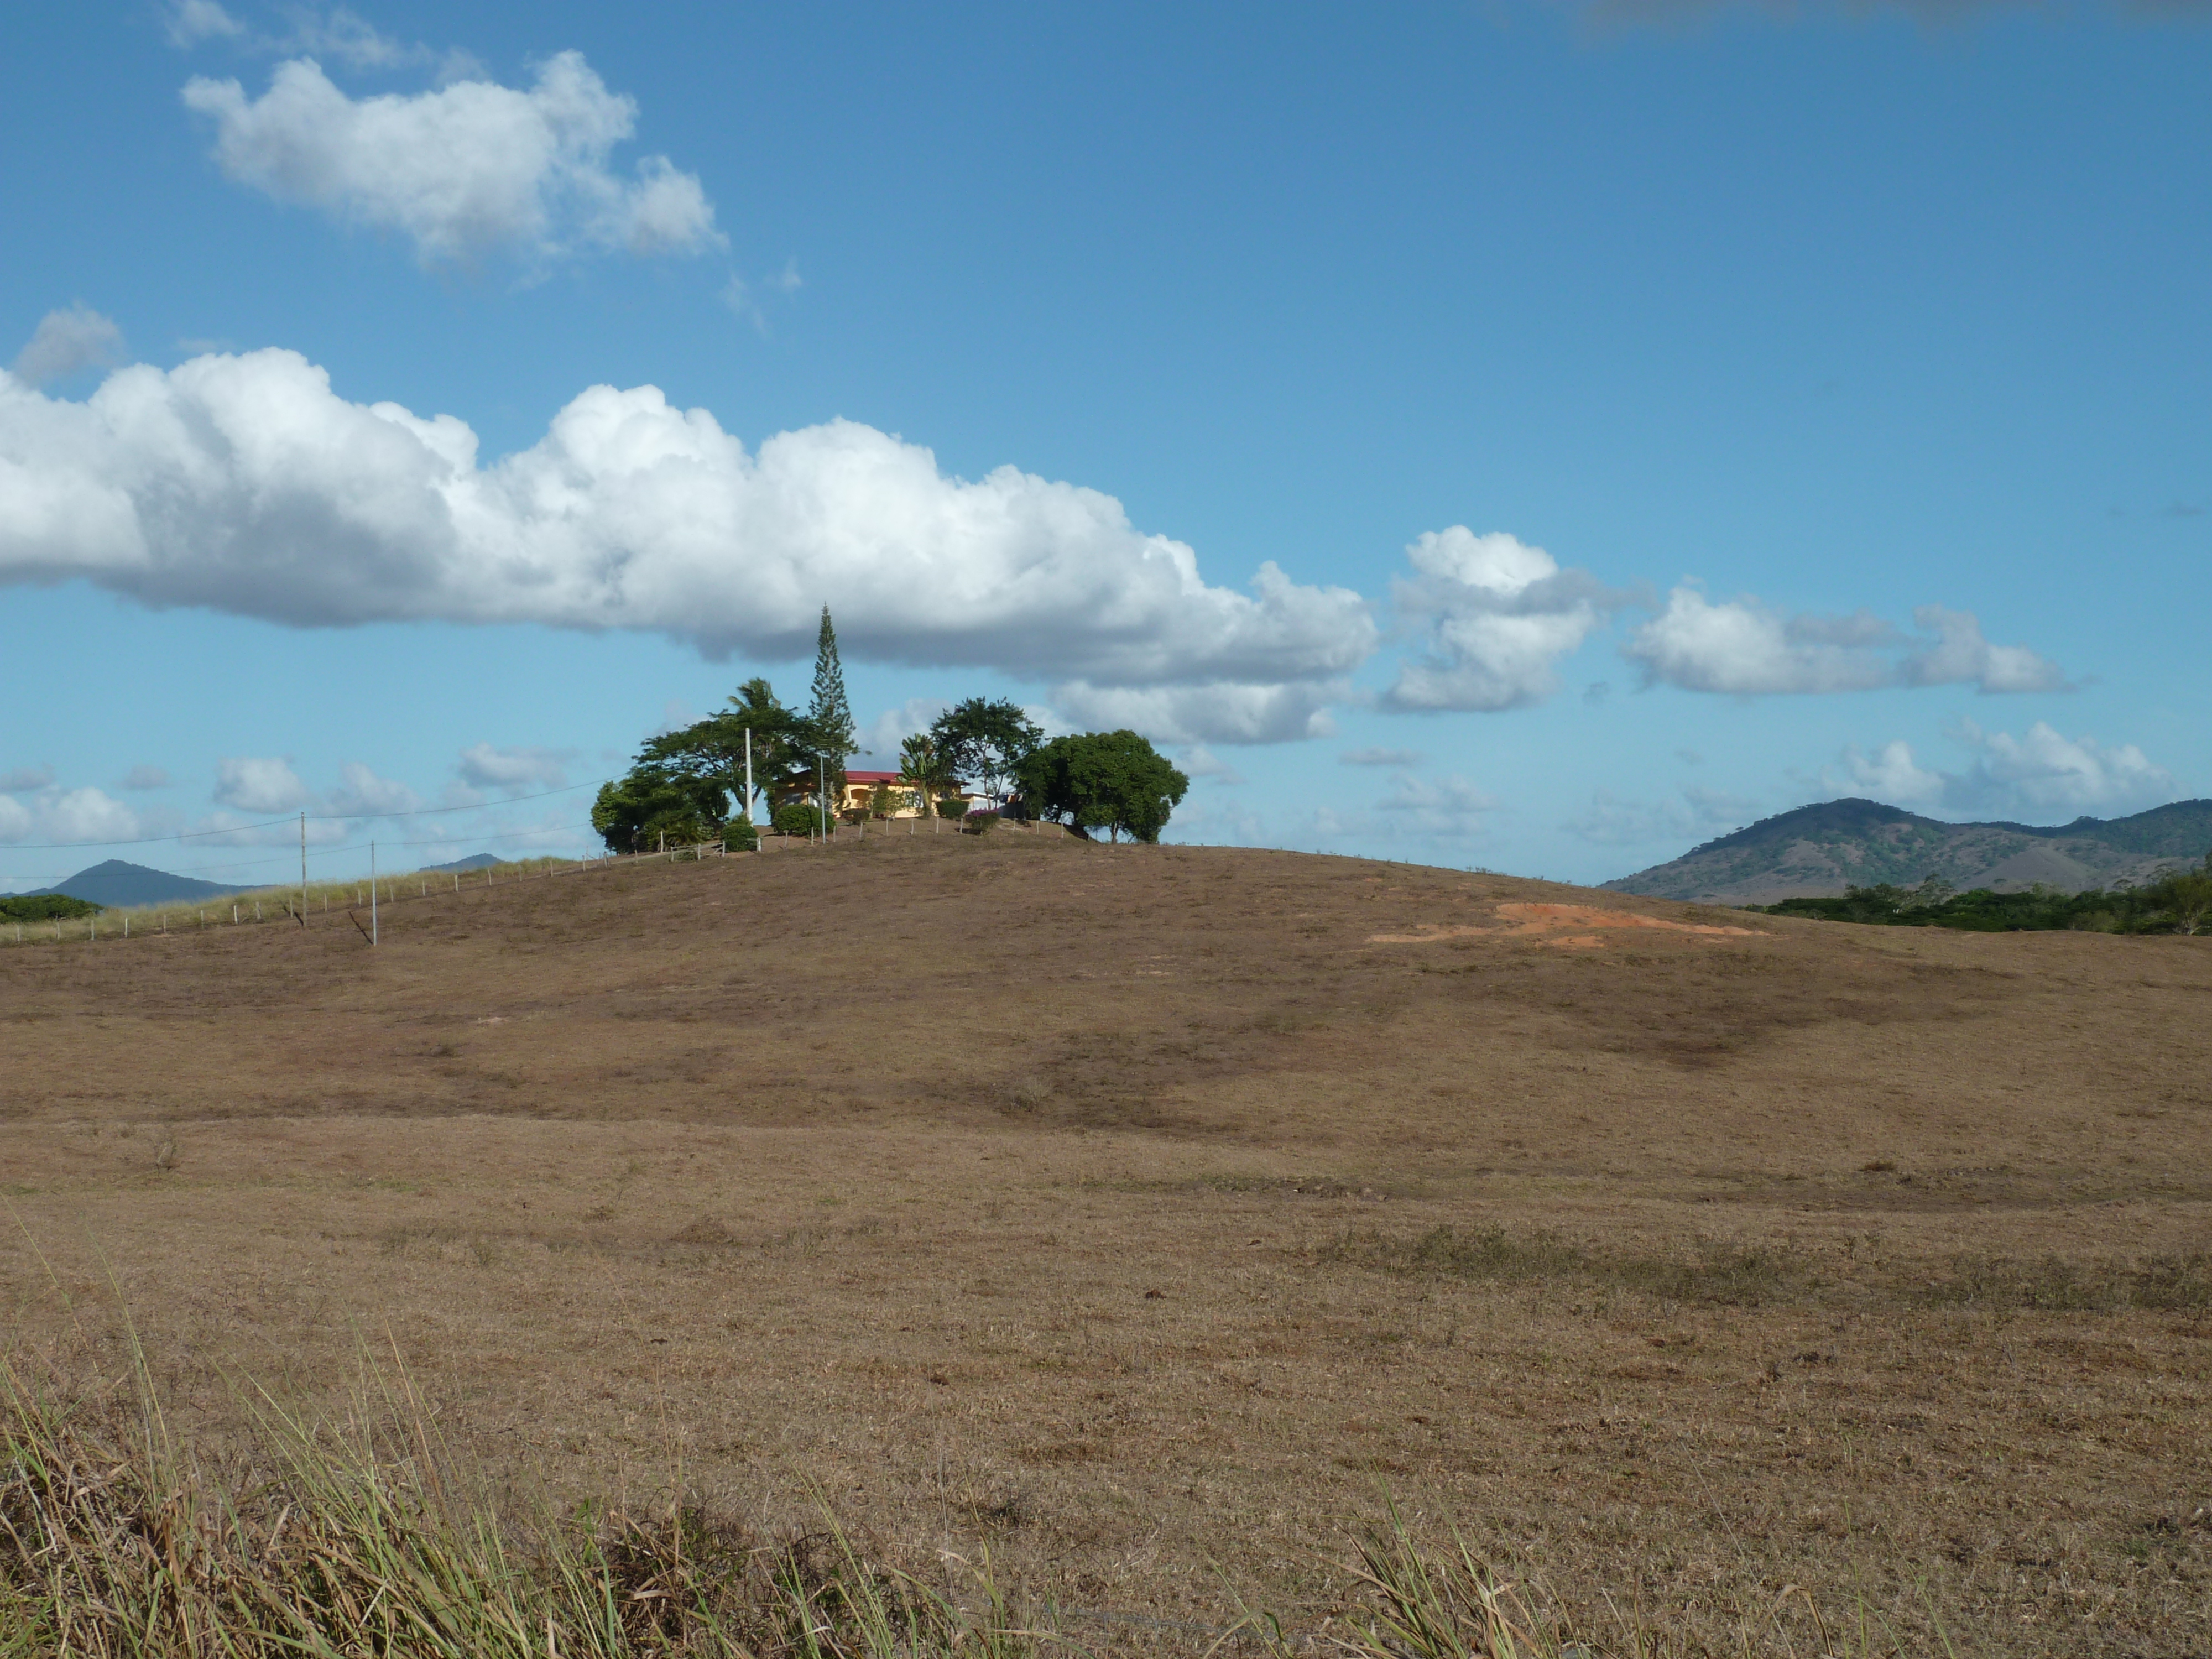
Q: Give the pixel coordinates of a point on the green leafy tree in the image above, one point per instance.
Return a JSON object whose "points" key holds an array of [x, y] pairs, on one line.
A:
{"points": [[927, 770], [1109, 780], [652, 801], [682, 781], [986, 741], [832, 735], [782, 741], [47, 907], [2186, 896]]}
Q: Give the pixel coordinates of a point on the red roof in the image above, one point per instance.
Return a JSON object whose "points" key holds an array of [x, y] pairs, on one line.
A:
{"points": [[872, 777]]}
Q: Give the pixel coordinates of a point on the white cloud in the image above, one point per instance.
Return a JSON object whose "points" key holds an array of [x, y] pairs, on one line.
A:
{"points": [[1742, 649], [259, 785], [191, 21], [484, 766], [464, 169], [23, 778], [146, 777], [68, 815], [1499, 614], [1219, 713], [65, 341], [1958, 655], [350, 39], [1450, 807], [361, 795], [240, 483], [1693, 814], [1892, 774], [880, 740], [2040, 776], [1401, 758], [1200, 762]]}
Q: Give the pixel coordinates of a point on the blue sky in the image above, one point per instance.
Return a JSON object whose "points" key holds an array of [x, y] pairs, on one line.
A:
{"points": [[1532, 436]]}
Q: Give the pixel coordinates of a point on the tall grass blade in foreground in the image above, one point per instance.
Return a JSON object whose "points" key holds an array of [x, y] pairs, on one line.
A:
{"points": [[336, 1542]]}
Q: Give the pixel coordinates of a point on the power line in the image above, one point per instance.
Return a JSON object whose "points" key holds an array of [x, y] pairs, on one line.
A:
{"points": [[360, 846]]}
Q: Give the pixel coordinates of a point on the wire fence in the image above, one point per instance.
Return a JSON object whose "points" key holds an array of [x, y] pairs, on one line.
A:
{"points": [[361, 899]]}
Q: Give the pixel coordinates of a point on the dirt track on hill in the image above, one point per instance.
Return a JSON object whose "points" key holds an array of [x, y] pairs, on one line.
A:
{"points": [[1145, 1208]]}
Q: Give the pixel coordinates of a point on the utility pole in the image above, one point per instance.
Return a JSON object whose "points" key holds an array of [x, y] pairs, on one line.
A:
{"points": [[372, 893], [303, 866], [822, 795], [750, 815]]}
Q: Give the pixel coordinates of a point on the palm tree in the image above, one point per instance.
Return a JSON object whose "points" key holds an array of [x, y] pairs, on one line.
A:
{"points": [[926, 768]]}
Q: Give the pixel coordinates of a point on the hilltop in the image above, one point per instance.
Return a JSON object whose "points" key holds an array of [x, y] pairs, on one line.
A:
{"points": [[115, 884], [1144, 1214], [1819, 850]]}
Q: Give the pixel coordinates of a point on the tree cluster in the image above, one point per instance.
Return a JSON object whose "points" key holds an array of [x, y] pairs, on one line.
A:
{"points": [[1109, 780], [682, 788], [2179, 902], [46, 907]]}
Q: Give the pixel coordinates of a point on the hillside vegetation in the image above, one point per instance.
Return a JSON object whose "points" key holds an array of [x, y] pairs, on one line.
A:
{"points": [[2180, 902], [1819, 851], [1144, 1219]]}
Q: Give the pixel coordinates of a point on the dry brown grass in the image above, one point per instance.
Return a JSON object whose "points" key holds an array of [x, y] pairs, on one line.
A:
{"points": [[1131, 1210]]}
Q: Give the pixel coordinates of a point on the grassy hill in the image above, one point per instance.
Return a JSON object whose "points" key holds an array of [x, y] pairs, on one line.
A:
{"points": [[1135, 1212], [1819, 850]]}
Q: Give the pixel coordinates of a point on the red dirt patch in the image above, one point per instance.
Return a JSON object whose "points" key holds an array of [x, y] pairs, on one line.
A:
{"points": [[1537, 920]]}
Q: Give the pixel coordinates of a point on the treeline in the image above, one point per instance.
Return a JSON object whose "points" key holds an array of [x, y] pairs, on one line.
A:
{"points": [[46, 907], [2179, 902], [691, 786]]}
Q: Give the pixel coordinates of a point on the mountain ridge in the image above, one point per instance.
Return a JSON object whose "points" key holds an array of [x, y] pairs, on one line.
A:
{"points": [[114, 882], [1819, 850]]}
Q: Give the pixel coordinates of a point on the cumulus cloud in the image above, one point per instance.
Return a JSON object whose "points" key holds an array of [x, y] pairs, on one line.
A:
{"points": [[23, 778], [464, 169], [1200, 762], [880, 738], [1450, 807], [2042, 775], [1691, 814], [259, 785], [513, 771], [361, 795], [1741, 647], [68, 815], [66, 341], [1397, 757], [243, 484], [1217, 713], [1498, 616], [146, 777], [1891, 774]]}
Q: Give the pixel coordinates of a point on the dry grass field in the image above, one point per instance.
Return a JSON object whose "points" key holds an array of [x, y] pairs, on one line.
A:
{"points": [[1153, 1215]]}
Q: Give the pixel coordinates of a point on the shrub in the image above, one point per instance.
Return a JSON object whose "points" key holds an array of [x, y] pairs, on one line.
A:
{"points": [[47, 907], [797, 819], [738, 836]]}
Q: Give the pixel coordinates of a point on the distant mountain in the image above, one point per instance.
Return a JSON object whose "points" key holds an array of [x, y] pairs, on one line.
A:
{"points": [[117, 883], [474, 861], [1817, 850]]}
